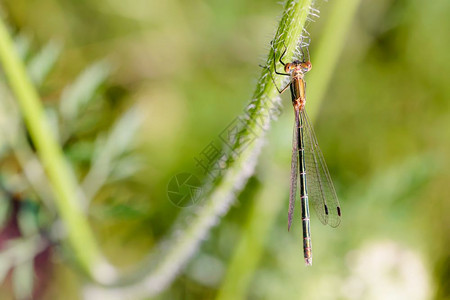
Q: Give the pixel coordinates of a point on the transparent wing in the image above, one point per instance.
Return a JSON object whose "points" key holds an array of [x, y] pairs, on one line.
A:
{"points": [[321, 192], [294, 172]]}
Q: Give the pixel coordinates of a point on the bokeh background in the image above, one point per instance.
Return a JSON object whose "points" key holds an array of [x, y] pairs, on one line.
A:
{"points": [[190, 67]]}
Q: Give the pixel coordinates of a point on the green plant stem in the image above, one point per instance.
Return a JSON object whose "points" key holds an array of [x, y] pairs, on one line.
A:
{"points": [[329, 49], [62, 180], [258, 116], [250, 247], [263, 213]]}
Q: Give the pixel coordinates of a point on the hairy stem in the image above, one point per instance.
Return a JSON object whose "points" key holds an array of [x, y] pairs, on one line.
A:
{"points": [[263, 212], [250, 248], [186, 238]]}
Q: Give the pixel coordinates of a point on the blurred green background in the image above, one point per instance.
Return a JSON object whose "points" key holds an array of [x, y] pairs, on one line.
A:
{"points": [[191, 67]]}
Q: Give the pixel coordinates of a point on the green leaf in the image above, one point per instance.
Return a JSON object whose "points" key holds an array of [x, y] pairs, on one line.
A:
{"points": [[22, 45], [52, 117], [82, 91], [126, 167], [42, 63], [108, 150]]}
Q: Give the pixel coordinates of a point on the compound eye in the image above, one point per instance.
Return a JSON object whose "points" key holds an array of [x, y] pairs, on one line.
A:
{"points": [[288, 67], [307, 67]]}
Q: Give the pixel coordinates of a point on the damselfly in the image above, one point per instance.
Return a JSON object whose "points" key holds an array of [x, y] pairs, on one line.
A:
{"points": [[308, 165]]}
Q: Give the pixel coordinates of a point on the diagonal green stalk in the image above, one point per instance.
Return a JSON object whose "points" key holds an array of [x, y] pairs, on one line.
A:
{"points": [[250, 247], [258, 115], [62, 180], [184, 242], [263, 212]]}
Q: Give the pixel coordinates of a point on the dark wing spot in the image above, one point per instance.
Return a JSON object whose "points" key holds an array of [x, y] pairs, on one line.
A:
{"points": [[326, 209], [339, 211]]}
